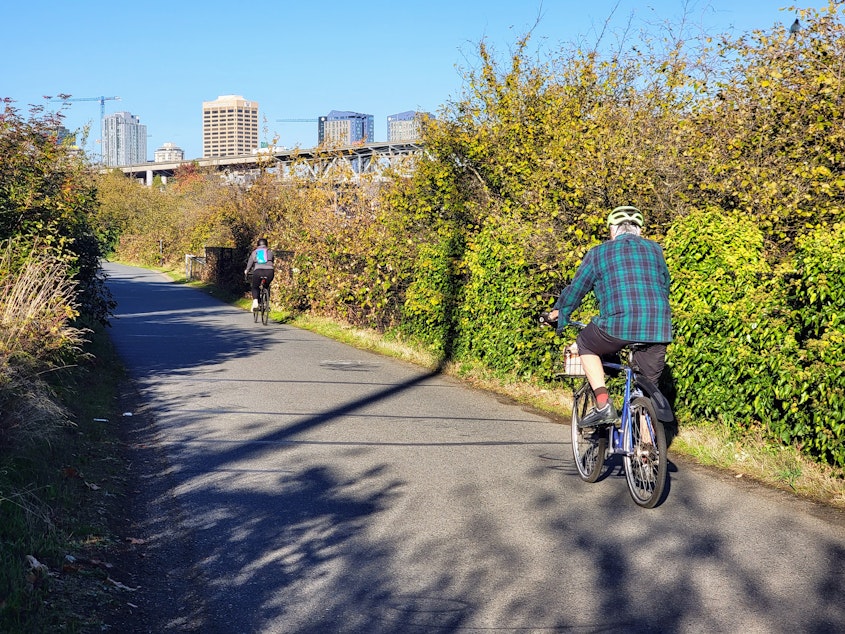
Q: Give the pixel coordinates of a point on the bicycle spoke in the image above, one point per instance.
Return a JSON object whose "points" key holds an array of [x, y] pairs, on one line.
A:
{"points": [[646, 465], [589, 446]]}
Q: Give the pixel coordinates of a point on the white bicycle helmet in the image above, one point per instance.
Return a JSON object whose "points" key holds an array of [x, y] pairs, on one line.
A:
{"points": [[625, 214]]}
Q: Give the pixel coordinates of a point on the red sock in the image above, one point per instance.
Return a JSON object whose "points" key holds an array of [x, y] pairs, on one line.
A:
{"points": [[601, 397]]}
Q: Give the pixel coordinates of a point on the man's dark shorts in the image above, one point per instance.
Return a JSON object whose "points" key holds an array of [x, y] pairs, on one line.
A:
{"points": [[650, 360]]}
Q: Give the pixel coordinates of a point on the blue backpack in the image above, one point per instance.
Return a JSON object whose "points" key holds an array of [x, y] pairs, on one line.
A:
{"points": [[261, 256]]}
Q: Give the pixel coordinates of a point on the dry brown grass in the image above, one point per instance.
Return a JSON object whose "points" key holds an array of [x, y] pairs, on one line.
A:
{"points": [[37, 306]]}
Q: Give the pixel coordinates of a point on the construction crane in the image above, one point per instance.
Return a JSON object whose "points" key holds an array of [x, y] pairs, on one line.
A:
{"points": [[102, 101]]}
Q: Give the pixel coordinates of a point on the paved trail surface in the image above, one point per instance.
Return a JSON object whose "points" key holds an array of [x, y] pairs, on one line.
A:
{"points": [[288, 483]]}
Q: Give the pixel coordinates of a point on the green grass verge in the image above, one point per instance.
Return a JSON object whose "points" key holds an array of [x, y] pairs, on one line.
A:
{"points": [[60, 494]]}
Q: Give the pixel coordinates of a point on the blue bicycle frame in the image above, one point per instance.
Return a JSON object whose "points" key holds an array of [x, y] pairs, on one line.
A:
{"points": [[642, 447], [617, 434]]}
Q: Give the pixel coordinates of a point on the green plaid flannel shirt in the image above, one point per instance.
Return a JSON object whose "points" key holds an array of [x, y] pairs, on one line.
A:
{"points": [[631, 283]]}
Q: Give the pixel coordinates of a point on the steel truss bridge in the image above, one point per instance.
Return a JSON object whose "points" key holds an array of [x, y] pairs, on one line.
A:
{"points": [[348, 163]]}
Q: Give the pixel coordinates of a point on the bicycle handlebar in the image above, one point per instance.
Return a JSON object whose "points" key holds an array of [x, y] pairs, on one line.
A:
{"points": [[545, 320]]}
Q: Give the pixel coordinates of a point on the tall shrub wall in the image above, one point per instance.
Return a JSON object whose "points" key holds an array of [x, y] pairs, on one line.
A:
{"points": [[497, 323], [435, 292], [759, 349], [817, 389], [730, 328]]}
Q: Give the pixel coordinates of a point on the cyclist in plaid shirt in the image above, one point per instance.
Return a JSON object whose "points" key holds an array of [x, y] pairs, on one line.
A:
{"points": [[629, 277]]}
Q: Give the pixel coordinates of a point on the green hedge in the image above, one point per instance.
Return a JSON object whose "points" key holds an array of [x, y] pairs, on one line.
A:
{"points": [[497, 322], [817, 389], [758, 348], [739, 357]]}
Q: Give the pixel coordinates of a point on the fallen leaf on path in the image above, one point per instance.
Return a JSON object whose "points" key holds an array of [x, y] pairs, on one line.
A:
{"points": [[119, 585], [34, 564]]}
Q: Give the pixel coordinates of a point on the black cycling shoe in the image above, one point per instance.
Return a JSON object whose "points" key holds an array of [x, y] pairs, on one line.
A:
{"points": [[596, 417]]}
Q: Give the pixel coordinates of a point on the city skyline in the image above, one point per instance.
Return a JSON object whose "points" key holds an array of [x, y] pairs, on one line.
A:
{"points": [[408, 130], [289, 58]]}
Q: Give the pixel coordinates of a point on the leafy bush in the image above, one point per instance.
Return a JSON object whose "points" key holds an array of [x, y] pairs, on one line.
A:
{"points": [[816, 403], [739, 357], [497, 322], [48, 197], [434, 294], [729, 326]]}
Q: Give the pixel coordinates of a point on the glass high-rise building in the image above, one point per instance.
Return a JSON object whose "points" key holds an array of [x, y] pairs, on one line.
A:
{"points": [[229, 126], [405, 126], [124, 140], [342, 127]]}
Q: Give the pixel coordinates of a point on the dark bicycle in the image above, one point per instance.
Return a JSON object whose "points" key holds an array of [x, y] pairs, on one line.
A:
{"points": [[263, 309]]}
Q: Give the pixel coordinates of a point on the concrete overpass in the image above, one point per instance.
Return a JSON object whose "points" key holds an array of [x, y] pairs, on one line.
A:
{"points": [[369, 158]]}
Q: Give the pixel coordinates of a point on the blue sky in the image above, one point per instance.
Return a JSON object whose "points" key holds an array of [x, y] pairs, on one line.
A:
{"points": [[300, 59]]}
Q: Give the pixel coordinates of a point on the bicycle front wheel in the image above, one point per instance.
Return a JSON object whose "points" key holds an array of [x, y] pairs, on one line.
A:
{"points": [[589, 445], [647, 465]]}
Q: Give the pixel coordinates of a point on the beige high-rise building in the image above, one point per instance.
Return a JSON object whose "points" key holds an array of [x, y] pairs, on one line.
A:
{"points": [[229, 126]]}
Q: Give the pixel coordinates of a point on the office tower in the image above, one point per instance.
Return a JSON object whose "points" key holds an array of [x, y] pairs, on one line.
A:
{"points": [[168, 153], [405, 126], [124, 140], [341, 127], [229, 126]]}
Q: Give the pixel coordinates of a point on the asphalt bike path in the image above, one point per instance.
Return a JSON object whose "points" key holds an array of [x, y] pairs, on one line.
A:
{"points": [[288, 483]]}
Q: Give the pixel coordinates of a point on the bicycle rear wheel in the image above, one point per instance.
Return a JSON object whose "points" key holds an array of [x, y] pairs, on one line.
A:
{"points": [[265, 306], [589, 445], [646, 468]]}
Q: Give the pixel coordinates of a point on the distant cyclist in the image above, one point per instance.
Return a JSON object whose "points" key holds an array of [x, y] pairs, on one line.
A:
{"points": [[260, 262], [630, 280]]}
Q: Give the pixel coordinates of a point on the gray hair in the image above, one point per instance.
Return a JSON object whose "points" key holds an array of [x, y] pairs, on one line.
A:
{"points": [[624, 227]]}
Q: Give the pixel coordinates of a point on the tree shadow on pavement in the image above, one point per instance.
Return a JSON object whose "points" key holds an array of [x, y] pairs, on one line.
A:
{"points": [[267, 527]]}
